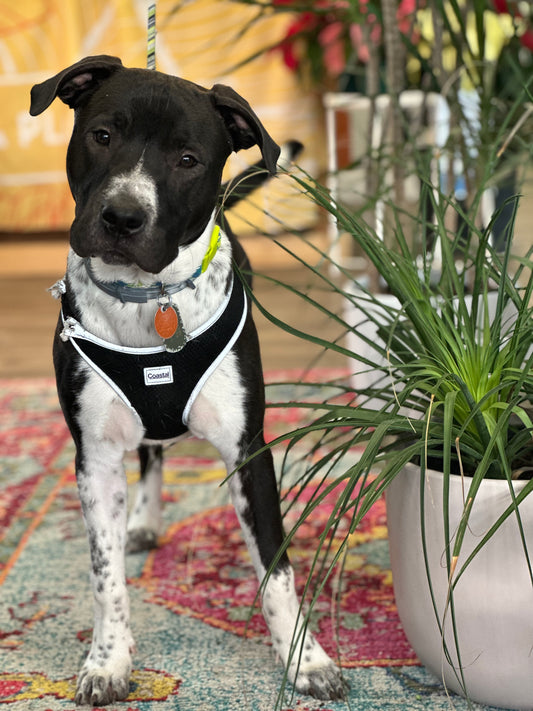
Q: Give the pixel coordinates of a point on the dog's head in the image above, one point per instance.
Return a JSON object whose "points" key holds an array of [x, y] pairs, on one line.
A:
{"points": [[146, 156]]}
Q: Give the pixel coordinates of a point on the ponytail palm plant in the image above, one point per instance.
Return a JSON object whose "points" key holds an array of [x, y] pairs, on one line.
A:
{"points": [[452, 366], [453, 371]]}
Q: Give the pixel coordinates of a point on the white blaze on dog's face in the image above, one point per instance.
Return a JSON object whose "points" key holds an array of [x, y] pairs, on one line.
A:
{"points": [[138, 186], [129, 205]]}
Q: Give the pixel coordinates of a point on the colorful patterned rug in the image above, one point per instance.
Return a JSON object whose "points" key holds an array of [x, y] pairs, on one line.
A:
{"points": [[202, 643]]}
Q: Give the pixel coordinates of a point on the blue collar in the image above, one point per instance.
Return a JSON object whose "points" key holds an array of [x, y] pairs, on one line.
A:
{"points": [[142, 294]]}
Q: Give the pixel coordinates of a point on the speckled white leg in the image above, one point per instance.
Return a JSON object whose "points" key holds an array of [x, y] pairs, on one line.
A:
{"points": [[308, 666], [104, 677], [108, 429]]}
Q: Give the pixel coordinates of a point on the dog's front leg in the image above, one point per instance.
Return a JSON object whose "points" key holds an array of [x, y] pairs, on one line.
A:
{"points": [[105, 675], [255, 496]]}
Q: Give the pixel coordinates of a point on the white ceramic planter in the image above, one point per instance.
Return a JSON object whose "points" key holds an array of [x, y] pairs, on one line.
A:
{"points": [[493, 599]]}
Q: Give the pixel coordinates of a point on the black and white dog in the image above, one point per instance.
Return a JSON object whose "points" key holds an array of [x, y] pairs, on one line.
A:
{"points": [[155, 339]]}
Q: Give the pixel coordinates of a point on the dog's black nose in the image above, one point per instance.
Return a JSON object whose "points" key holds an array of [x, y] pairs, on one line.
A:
{"points": [[123, 219]]}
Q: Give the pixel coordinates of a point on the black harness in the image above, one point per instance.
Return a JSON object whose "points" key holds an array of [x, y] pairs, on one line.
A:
{"points": [[161, 386]]}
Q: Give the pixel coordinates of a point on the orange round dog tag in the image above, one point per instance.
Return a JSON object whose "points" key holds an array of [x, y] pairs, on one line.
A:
{"points": [[166, 322]]}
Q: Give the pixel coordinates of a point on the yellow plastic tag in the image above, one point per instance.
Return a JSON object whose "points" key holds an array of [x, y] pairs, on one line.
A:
{"points": [[212, 249]]}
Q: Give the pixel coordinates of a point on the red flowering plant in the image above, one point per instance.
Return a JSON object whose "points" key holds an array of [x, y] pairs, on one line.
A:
{"points": [[522, 14], [328, 38], [513, 84], [515, 63]]}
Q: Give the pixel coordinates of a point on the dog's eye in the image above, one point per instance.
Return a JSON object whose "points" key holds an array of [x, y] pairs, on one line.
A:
{"points": [[188, 161], [102, 137]]}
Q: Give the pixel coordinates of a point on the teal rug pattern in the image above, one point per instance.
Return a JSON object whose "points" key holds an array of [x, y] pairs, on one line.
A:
{"points": [[202, 644]]}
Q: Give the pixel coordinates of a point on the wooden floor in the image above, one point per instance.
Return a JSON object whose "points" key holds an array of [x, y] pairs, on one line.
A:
{"points": [[28, 313]]}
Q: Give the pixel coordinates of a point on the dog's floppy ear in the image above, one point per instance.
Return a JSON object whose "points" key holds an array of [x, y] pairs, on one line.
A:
{"points": [[73, 83], [243, 125]]}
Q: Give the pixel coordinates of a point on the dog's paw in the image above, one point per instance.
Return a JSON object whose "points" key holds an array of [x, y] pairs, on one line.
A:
{"points": [[315, 674], [325, 683], [141, 539], [98, 687]]}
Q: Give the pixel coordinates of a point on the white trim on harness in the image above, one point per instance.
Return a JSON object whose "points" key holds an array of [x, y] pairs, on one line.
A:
{"points": [[214, 364]]}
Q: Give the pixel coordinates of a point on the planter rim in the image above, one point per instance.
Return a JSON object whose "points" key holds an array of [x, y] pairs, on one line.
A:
{"points": [[518, 484]]}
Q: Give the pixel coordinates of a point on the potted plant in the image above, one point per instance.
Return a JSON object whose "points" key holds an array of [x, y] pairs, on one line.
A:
{"points": [[450, 406], [454, 392], [449, 351]]}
